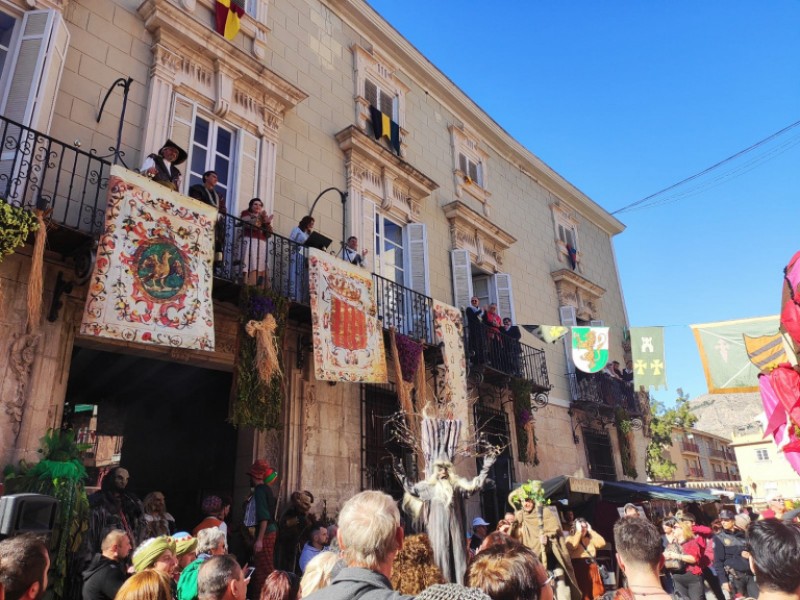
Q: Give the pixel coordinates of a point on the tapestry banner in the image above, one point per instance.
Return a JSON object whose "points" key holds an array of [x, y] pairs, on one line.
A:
{"points": [[448, 326], [647, 348], [590, 348], [153, 274], [348, 337], [724, 352]]}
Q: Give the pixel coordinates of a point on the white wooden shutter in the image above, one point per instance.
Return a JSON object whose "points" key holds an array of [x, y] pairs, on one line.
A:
{"points": [[35, 69], [505, 297], [417, 271], [568, 319], [246, 165], [367, 237], [462, 277]]}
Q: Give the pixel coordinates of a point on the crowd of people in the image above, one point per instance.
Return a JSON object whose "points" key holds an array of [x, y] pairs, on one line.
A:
{"points": [[491, 339], [367, 555], [371, 558]]}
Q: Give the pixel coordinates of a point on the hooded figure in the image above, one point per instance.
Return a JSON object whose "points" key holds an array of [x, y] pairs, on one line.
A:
{"points": [[438, 504]]}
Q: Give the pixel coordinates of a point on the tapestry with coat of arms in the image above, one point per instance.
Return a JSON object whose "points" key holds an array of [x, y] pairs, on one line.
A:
{"points": [[448, 325], [153, 274], [348, 337]]}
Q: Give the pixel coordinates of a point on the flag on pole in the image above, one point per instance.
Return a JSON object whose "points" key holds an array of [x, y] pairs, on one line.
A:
{"points": [[726, 363], [227, 15], [590, 348], [549, 334], [647, 350]]}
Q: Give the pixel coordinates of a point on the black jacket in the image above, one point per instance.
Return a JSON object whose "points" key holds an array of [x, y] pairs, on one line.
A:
{"points": [[356, 583], [103, 578], [728, 548]]}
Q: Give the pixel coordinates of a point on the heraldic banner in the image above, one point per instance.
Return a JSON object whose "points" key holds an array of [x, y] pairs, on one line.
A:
{"points": [[647, 349], [449, 329], [590, 348], [729, 349], [348, 337], [152, 278]]}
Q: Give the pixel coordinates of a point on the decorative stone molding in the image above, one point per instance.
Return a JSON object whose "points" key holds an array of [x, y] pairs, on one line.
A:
{"points": [[575, 290], [22, 355], [471, 231], [392, 183], [369, 64], [465, 143]]}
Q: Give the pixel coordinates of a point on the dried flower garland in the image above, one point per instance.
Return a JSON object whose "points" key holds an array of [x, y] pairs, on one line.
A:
{"points": [[16, 224], [625, 437], [408, 351]]}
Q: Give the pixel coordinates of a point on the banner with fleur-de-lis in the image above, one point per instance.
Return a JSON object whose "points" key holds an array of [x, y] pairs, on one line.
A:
{"points": [[647, 349]]}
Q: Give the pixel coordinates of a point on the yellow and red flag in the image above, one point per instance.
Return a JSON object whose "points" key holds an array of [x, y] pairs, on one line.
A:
{"points": [[227, 17]]}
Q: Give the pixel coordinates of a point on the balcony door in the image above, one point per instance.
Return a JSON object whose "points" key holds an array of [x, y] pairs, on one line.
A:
{"points": [[599, 455]]}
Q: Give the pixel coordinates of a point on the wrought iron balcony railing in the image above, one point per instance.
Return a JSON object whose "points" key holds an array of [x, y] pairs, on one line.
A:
{"points": [[408, 311], [695, 472], [690, 447], [717, 453], [603, 391], [490, 348], [38, 171]]}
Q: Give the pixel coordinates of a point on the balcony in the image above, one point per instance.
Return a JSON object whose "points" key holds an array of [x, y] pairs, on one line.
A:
{"points": [[601, 391], [722, 476], [38, 171], [716, 453], [496, 357], [695, 472], [690, 447]]}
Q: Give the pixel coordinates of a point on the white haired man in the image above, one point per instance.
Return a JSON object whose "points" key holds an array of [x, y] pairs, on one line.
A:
{"points": [[369, 536]]}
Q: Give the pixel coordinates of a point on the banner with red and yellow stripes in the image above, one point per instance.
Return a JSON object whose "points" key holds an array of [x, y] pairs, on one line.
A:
{"points": [[227, 17]]}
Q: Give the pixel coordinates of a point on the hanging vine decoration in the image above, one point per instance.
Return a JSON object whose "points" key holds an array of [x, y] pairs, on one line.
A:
{"points": [[259, 391], [16, 223], [624, 425], [527, 442]]}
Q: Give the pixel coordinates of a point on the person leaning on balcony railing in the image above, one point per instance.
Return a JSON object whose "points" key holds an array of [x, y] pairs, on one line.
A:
{"points": [[474, 314], [258, 227], [163, 167], [206, 192]]}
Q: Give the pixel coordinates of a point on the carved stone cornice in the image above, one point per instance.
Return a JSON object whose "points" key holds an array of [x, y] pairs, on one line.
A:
{"points": [[207, 64], [469, 230], [400, 187], [575, 290]]}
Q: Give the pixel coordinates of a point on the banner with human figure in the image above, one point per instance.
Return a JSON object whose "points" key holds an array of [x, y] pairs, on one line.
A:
{"points": [[153, 274], [649, 364], [724, 353], [448, 326], [348, 337], [590, 348]]}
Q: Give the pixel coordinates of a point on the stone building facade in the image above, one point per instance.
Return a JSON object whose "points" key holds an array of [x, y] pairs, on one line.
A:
{"points": [[282, 112]]}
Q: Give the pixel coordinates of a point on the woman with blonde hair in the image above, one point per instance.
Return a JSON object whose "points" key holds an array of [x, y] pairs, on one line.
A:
{"points": [[683, 561], [147, 585], [414, 568], [319, 572]]}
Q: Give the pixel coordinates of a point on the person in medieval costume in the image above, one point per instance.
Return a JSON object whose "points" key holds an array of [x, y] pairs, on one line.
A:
{"points": [[163, 167], [112, 507], [538, 527], [438, 503], [293, 527]]}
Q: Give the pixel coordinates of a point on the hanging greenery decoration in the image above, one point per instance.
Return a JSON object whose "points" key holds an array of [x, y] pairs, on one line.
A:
{"points": [[527, 443], [16, 224], [256, 403], [625, 437], [60, 473]]}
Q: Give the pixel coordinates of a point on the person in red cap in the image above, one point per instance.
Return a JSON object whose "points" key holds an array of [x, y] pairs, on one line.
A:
{"points": [[259, 516]]}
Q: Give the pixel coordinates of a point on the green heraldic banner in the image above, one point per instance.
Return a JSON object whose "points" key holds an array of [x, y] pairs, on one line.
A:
{"points": [[647, 348]]}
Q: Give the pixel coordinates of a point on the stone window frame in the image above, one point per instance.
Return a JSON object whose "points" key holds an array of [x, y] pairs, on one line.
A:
{"points": [[566, 221], [467, 144], [371, 65]]}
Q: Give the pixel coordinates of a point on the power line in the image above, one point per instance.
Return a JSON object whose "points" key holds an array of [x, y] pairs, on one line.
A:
{"points": [[709, 169]]}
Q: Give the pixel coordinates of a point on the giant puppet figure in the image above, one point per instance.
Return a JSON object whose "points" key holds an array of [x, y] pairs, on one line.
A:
{"points": [[437, 502]]}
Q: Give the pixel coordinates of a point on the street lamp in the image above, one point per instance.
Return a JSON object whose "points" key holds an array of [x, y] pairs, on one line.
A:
{"points": [[343, 196]]}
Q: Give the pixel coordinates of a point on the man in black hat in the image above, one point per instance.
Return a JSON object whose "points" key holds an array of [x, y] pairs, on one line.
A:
{"points": [[163, 167], [732, 568]]}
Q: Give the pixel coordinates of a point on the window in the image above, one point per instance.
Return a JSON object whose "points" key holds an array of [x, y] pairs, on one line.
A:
{"points": [[762, 455], [473, 172], [380, 99], [7, 23], [212, 150], [566, 235], [389, 256], [469, 168]]}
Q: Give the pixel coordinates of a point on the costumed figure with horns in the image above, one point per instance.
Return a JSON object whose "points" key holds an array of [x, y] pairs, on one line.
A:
{"points": [[163, 167], [437, 502], [538, 527]]}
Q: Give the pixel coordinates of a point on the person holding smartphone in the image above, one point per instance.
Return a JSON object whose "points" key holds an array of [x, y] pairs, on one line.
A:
{"points": [[583, 543]]}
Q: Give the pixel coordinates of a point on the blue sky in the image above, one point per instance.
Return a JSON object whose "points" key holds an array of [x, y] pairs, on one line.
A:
{"points": [[626, 98]]}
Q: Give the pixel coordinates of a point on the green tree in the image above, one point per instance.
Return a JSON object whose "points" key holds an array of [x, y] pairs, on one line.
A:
{"points": [[664, 421]]}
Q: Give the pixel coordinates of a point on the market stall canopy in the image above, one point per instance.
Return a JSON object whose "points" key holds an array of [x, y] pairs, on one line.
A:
{"points": [[631, 491], [576, 490]]}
